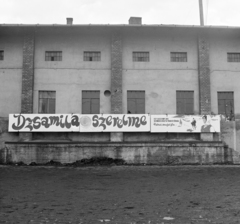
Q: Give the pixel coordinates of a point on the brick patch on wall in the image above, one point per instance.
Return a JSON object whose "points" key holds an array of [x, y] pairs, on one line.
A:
{"points": [[204, 76], [27, 78], [116, 74], [28, 73]]}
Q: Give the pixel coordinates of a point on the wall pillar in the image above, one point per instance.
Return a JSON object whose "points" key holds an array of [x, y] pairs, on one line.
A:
{"points": [[27, 79], [204, 82], [116, 81]]}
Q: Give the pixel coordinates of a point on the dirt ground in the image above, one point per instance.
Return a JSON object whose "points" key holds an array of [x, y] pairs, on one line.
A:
{"points": [[120, 194]]}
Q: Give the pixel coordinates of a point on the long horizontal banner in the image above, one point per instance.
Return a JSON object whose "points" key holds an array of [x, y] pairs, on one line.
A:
{"points": [[112, 123], [115, 123], [43, 123], [79, 123], [185, 123]]}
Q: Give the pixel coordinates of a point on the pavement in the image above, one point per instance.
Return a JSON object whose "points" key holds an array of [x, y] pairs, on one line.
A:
{"points": [[120, 194]]}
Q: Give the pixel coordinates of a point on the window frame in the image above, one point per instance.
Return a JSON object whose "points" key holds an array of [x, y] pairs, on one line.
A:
{"points": [[93, 101], [1, 55], [134, 98], [46, 99], [93, 55], [53, 55], [228, 111], [141, 56], [233, 57], [178, 56]]}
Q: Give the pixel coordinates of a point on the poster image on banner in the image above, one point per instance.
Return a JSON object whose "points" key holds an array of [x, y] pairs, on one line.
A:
{"points": [[185, 123], [114, 123], [43, 123]]}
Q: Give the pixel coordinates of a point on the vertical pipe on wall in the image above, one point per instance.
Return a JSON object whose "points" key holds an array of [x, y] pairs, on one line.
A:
{"points": [[201, 13]]}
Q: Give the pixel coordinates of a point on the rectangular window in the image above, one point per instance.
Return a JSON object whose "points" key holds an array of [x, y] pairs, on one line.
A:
{"points": [[92, 56], [226, 104], [185, 102], [178, 56], [53, 56], [233, 57], [1, 55], [90, 102], [47, 100], [136, 102], [141, 56]]}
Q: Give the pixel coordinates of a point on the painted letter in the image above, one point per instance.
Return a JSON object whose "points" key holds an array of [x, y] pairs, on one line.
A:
{"points": [[75, 121], [19, 121], [95, 121]]}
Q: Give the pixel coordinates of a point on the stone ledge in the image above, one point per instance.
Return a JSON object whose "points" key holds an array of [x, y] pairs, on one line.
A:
{"points": [[159, 143]]}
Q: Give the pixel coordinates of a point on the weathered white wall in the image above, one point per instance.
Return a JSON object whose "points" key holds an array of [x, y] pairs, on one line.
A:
{"points": [[225, 76], [72, 75], [10, 74], [160, 78]]}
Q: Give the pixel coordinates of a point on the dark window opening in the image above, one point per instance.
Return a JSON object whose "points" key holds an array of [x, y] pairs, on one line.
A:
{"points": [[226, 104], [1, 55], [185, 102]]}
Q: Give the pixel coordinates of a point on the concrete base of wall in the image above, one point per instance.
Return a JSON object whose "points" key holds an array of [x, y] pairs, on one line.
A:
{"points": [[133, 153]]}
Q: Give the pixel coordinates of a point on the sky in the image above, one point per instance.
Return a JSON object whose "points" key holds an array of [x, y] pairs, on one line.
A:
{"points": [[180, 12]]}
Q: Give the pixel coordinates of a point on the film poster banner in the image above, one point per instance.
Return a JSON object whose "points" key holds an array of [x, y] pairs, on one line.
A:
{"points": [[185, 123], [43, 123], [114, 123]]}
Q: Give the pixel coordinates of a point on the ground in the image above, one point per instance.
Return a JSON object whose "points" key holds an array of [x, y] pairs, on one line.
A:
{"points": [[120, 194]]}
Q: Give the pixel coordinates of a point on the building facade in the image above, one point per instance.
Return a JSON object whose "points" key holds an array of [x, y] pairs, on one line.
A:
{"points": [[121, 69]]}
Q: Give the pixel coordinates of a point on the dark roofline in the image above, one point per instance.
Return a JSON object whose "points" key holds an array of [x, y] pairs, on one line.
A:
{"points": [[119, 26]]}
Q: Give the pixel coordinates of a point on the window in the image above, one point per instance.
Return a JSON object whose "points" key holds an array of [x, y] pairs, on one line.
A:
{"points": [[233, 57], [178, 56], [136, 102], [53, 56], [92, 56], [90, 102], [47, 102], [185, 102], [141, 56], [226, 104], [1, 55]]}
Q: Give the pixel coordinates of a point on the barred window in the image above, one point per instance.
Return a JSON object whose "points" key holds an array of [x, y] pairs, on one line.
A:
{"points": [[178, 56], [53, 56], [47, 101], [233, 57], [141, 56], [1, 55], [92, 56]]}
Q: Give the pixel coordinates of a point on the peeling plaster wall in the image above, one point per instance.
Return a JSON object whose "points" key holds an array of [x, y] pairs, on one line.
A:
{"points": [[5, 136], [230, 134], [132, 153]]}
